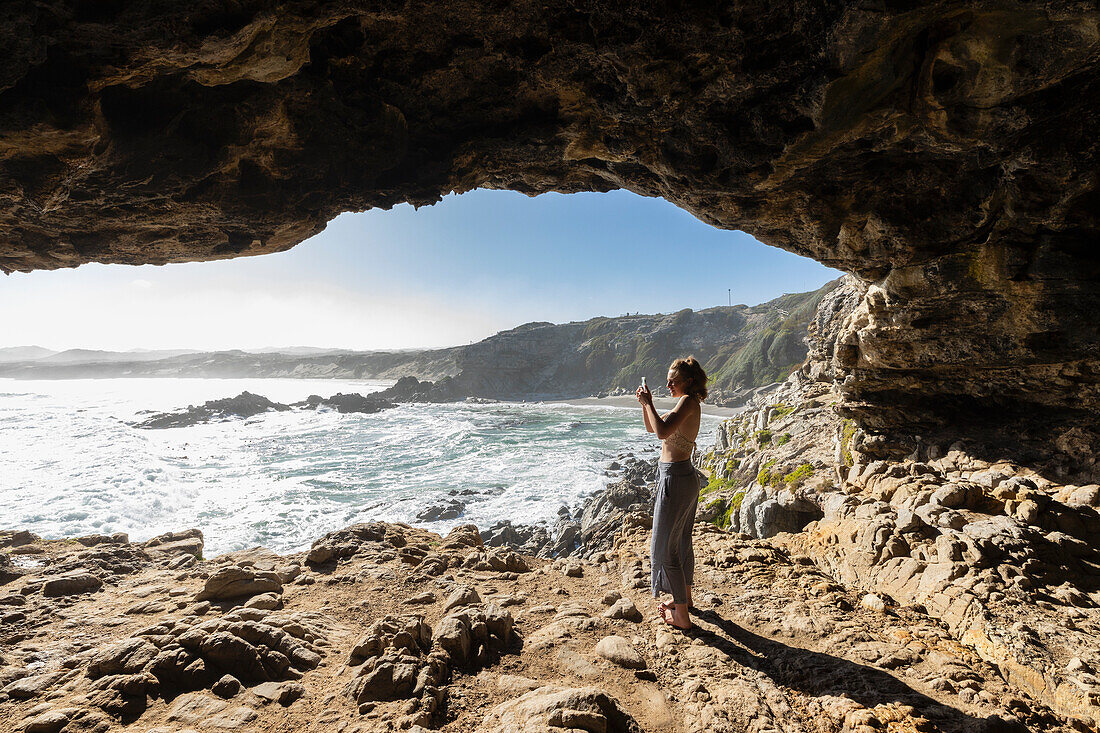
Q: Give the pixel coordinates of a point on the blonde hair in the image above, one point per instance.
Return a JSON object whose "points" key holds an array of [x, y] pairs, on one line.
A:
{"points": [[691, 369]]}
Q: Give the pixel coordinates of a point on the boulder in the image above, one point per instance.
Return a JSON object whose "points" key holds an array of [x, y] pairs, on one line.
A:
{"points": [[507, 561], [463, 595], [284, 693], [462, 537], [70, 584], [618, 650], [237, 582], [187, 542], [123, 657], [623, 608], [228, 686], [346, 403], [17, 537], [8, 572], [408, 634], [346, 542], [449, 509], [474, 637], [549, 708]]}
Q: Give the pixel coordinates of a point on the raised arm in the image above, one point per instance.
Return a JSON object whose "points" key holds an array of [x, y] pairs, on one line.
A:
{"points": [[667, 425], [645, 416]]}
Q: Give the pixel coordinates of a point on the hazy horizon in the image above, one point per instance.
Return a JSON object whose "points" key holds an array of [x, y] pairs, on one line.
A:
{"points": [[289, 347], [405, 279]]}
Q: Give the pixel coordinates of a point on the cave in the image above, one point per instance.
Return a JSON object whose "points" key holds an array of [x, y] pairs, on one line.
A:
{"points": [[945, 154]]}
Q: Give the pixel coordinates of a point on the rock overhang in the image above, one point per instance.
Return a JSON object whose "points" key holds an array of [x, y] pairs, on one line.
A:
{"points": [[944, 153]]}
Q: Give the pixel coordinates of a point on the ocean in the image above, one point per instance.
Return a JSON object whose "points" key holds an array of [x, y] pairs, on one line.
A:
{"points": [[70, 464]]}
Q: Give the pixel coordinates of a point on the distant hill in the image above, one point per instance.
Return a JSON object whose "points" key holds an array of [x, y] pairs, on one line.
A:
{"points": [[23, 353], [92, 356], [741, 347]]}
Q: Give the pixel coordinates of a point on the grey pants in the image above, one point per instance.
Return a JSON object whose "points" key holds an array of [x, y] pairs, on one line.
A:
{"points": [[673, 516]]}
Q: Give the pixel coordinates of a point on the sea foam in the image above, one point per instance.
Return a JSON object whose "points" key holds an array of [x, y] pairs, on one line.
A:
{"points": [[72, 464]]}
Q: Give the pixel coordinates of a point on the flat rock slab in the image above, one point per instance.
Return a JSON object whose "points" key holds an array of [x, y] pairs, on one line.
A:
{"points": [[618, 650], [50, 721], [283, 693], [200, 709], [547, 708], [68, 585], [187, 542], [238, 582]]}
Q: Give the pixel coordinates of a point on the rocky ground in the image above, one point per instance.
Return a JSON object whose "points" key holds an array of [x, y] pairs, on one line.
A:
{"points": [[384, 627], [1005, 556]]}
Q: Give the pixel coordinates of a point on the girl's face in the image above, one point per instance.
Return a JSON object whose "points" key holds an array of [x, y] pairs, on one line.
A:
{"points": [[675, 383]]}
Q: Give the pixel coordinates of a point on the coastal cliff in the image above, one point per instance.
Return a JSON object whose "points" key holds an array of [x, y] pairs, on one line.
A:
{"points": [[742, 347]]}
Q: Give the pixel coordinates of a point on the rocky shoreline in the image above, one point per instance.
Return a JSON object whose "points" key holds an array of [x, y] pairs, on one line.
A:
{"points": [[383, 627], [937, 592], [590, 529], [247, 405]]}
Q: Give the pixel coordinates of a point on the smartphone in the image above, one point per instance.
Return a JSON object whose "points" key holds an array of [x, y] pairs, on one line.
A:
{"points": [[644, 385]]}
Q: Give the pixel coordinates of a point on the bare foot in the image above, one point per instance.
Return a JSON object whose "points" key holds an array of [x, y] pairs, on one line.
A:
{"points": [[676, 616]]}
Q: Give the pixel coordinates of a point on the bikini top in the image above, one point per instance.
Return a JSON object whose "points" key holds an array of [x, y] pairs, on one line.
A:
{"points": [[676, 440]]}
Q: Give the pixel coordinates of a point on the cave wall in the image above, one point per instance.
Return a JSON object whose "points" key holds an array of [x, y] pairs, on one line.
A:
{"points": [[944, 153]]}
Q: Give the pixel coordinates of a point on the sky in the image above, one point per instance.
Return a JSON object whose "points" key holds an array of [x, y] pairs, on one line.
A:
{"points": [[440, 275]]}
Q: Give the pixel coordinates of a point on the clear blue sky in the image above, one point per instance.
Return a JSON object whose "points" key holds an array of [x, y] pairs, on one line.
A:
{"points": [[438, 276]]}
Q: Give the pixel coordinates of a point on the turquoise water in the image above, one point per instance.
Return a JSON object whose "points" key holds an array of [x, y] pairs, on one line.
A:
{"points": [[70, 464]]}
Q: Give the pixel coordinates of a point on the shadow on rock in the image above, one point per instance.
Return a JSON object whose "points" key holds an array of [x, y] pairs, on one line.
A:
{"points": [[817, 674]]}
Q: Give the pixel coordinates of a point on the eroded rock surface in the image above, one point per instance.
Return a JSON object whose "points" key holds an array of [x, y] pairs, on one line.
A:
{"points": [[368, 640], [1004, 556]]}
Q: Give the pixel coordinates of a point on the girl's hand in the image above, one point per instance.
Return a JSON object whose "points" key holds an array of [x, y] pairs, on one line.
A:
{"points": [[644, 396]]}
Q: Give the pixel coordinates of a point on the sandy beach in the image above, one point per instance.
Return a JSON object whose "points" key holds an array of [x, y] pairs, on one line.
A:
{"points": [[661, 403]]}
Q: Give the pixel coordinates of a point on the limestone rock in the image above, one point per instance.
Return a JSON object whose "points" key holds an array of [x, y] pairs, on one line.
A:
{"points": [[284, 693], [618, 650], [623, 608], [71, 584], [472, 637], [245, 404], [346, 542], [226, 687], [187, 542], [123, 657], [463, 595], [548, 708], [237, 582], [402, 633], [462, 537], [50, 721], [265, 601], [969, 292]]}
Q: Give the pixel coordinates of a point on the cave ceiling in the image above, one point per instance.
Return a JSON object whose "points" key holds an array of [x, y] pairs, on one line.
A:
{"points": [[945, 153]]}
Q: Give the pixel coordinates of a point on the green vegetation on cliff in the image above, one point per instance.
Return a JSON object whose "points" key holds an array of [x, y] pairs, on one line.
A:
{"points": [[741, 348]]}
